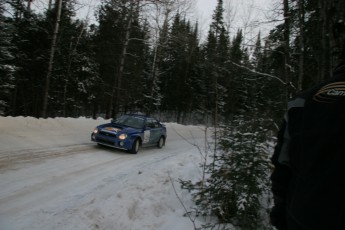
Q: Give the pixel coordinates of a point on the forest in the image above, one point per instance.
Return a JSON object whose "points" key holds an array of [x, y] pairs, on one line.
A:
{"points": [[53, 64], [147, 56]]}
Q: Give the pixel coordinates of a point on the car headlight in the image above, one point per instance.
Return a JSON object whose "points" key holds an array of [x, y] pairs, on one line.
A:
{"points": [[95, 131], [123, 136]]}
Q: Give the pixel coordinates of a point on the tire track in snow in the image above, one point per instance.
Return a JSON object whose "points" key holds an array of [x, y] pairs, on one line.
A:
{"points": [[82, 184], [53, 183]]}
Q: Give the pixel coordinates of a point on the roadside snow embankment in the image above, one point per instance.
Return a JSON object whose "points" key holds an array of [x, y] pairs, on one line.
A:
{"points": [[20, 133], [53, 177]]}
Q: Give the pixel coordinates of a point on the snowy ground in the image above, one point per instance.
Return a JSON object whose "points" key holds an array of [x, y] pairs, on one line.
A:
{"points": [[53, 177]]}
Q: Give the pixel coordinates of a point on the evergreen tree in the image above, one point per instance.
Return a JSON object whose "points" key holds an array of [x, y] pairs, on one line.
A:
{"points": [[7, 64], [237, 92], [178, 63], [160, 57], [134, 81], [257, 56], [81, 86], [121, 41], [322, 34], [108, 50], [196, 95], [146, 102], [66, 85], [29, 39], [217, 51], [237, 188]]}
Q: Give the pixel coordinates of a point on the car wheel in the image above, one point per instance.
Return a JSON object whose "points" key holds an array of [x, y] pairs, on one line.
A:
{"points": [[160, 143], [135, 146]]}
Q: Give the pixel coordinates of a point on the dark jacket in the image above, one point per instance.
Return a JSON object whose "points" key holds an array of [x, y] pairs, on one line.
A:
{"points": [[308, 182]]}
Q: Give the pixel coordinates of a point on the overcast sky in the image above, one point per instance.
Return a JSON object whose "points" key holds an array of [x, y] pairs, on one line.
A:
{"points": [[249, 15]]}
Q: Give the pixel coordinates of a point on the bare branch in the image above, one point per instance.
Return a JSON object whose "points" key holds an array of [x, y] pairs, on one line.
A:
{"points": [[181, 202], [259, 73]]}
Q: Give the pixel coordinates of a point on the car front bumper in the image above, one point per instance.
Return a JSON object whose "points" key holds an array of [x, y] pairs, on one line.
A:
{"points": [[111, 142]]}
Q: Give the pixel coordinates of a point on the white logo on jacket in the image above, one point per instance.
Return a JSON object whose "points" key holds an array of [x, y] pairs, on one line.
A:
{"points": [[330, 93]]}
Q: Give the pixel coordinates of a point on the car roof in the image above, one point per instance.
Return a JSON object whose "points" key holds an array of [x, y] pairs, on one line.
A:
{"points": [[139, 116], [134, 114]]}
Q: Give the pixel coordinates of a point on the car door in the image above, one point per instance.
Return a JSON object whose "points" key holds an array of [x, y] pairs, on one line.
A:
{"points": [[152, 131]]}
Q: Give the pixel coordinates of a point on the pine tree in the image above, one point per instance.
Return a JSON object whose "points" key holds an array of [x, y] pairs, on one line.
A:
{"points": [[28, 41], [7, 67], [257, 56], [122, 46], [58, 7], [135, 66], [217, 51]]}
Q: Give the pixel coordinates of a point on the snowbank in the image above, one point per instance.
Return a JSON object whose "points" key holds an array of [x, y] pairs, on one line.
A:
{"points": [[53, 177]]}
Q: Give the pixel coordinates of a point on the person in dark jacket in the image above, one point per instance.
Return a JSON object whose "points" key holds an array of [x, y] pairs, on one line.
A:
{"points": [[308, 181]]}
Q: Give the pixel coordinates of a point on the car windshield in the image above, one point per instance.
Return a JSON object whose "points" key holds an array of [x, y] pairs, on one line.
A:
{"points": [[131, 121]]}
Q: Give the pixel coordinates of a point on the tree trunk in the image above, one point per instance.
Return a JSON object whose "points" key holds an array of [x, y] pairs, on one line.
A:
{"points": [[117, 85], [301, 44], [29, 5], [287, 48], [50, 5], [51, 59], [18, 13], [153, 70], [72, 53], [323, 31]]}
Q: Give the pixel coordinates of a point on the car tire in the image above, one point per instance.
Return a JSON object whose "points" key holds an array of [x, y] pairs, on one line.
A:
{"points": [[135, 146], [160, 142]]}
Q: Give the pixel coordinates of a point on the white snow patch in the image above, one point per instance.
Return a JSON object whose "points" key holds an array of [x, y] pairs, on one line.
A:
{"points": [[53, 177]]}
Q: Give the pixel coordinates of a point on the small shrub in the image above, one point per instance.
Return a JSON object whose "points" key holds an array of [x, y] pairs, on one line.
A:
{"points": [[236, 189]]}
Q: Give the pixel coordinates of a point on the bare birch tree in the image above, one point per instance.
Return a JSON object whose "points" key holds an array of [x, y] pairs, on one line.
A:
{"points": [[161, 13], [118, 84]]}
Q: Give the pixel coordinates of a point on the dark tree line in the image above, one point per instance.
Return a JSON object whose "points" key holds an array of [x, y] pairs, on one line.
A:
{"points": [[250, 87], [52, 64], [118, 66]]}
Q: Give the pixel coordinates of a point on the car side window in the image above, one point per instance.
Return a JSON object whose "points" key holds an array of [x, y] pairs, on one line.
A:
{"points": [[149, 123], [156, 124], [152, 123]]}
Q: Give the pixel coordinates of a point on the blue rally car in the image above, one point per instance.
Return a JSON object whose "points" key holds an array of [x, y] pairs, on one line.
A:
{"points": [[129, 132]]}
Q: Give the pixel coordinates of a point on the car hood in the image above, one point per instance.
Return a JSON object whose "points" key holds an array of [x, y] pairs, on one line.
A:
{"points": [[116, 128]]}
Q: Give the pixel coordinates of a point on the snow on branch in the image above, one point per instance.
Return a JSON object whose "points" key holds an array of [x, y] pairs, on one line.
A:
{"points": [[259, 73]]}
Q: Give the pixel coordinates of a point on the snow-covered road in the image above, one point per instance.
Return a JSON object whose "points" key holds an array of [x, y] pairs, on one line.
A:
{"points": [[53, 177]]}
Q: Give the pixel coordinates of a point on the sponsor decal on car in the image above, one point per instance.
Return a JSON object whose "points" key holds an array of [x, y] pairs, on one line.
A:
{"points": [[112, 129], [146, 136]]}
